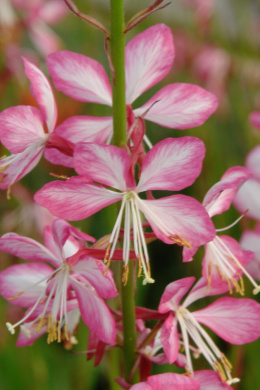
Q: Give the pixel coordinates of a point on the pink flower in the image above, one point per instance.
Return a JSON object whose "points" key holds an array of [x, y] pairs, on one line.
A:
{"points": [[148, 59], [224, 260], [167, 381], [22, 129], [250, 240], [234, 320], [51, 293], [247, 196], [172, 164]]}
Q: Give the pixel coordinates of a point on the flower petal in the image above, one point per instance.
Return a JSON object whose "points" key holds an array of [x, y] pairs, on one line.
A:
{"points": [[148, 58], [170, 338], [178, 219], [86, 129], [210, 380], [95, 313], [25, 248], [75, 200], [93, 270], [253, 162], [234, 320], [42, 91], [247, 199], [169, 381], [16, 166], [172, 164], [21, 278], [106, 164], [173, 293], [179, 106], [21, 127], [79, 77], [219, 198], [250, 240]]}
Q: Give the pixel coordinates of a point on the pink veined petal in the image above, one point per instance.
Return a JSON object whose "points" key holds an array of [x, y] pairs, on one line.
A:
{"points": [[202, 290], [75, 201], [25, 248], [52, 246], [173, 293], [20, 277], [173, 381], [16, 166], [148, 58], [250, 240], [95, 313], [178, 219], [62, 231], [93, 270], [106, 164], [79, 77], [42, 91], [254, 119], [168, 381], [219, 198], [253, 161], [21, 127], [86, 129], [170, 338], [247, 198], [172, 164], [179, 106], [210, 380], [234, 320]]}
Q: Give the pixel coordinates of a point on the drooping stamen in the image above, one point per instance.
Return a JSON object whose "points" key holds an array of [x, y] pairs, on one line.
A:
{"points": [[234, 223], [223, 264], [256, 289], [190, 326], [58, 293]]}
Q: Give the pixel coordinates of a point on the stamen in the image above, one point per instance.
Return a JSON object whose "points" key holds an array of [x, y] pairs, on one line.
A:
{"points": [[10, 327], [234, 223], [180, 241]]}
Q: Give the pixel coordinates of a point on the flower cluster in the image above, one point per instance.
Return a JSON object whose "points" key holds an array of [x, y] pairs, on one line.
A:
{"points": [[65, 278]]}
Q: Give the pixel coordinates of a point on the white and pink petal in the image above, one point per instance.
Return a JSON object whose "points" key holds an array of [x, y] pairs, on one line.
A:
{"points": [[172, 164], [95, 313], [234, 320], [105, 164], [219, 198], [179, 106], [42, 91], [21, 127], [79, 77], [148, 59], [178, 219], [22, 284], [74, 199]]}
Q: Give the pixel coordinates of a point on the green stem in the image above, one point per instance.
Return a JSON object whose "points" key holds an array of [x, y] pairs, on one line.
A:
{"points": [[117, 52]]}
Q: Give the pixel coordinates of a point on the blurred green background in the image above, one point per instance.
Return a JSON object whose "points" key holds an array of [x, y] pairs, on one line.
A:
{"points": [[227, 29]]}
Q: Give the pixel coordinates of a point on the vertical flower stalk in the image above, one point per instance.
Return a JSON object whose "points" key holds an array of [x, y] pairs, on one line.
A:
{"points": [[117, 52]]}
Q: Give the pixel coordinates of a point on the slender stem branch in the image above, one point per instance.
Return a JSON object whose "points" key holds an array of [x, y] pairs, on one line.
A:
{"points": [[117, 51]]}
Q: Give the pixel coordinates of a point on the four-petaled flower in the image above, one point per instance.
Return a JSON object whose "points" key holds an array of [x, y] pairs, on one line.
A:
{"points": [[50, 294], [172, 165]]}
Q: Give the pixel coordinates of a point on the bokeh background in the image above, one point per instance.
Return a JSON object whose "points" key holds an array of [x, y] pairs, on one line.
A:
{"points": [[217, 47]]}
